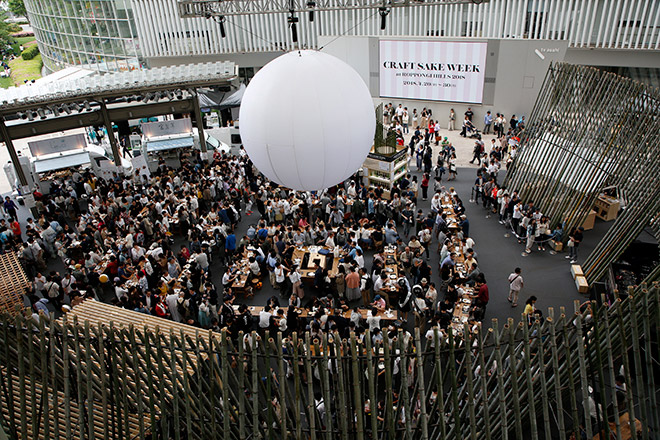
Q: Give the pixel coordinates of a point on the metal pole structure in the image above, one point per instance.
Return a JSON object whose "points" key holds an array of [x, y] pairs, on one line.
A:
{"points": [[6, 137], [116, 156], [199, 119]]}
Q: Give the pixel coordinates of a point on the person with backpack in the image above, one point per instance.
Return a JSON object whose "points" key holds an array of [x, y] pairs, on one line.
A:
{"points": [[406, 297], [366, 284], [516, 284]]}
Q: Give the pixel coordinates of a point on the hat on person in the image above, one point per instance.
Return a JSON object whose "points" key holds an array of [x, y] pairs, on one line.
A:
{"points": [[377, 297], [117, 279], [424, 280]]}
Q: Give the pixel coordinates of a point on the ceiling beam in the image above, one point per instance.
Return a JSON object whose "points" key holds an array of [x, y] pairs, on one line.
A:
{"points": [[94, 117]]}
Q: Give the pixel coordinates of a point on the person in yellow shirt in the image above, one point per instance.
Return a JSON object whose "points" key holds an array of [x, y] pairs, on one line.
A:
{"points": [[530, 308]]}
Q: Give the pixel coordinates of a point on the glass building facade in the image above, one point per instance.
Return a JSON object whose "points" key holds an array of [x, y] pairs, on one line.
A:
{"points": [[98, 35], [110, 35]]}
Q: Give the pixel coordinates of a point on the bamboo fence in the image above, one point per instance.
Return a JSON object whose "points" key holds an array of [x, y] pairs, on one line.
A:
{"points": [[589, 130], [78, 379]]}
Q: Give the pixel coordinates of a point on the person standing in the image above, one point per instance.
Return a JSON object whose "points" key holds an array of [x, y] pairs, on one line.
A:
{"points": [[352, 285], [488, 121], [469, 114], [425, 186], [10, 207], [516, 284], [574, 239], [405, 119], [452, 120]]}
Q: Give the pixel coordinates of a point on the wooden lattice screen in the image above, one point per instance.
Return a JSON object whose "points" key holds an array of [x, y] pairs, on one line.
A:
{"points": [[13, 283], [511, 381]]}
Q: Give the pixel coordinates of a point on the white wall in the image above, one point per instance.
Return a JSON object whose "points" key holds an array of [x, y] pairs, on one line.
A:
{"points": [[514, 74]]}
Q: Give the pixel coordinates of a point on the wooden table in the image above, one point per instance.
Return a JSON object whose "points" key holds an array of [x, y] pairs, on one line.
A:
{"points": [[391, 268], [626, 431], [305, 257], [256, 310], [461, 313]]}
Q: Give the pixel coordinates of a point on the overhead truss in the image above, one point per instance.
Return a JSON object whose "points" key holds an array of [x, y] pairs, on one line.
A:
{"points": [[219, 8]]}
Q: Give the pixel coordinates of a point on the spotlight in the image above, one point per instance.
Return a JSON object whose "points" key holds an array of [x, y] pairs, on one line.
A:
{"points": [[292, 20], [221, 22], [31, 115], [22, 115], [129, 99], [179, 94], [87, 106], [311, 5], [67, 109], [55, 111], [383, 13], [41, 113]]}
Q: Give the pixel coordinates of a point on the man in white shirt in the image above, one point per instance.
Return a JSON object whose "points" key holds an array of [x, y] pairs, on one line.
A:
{"points": [[203, 261], [515, 286], [264, 318]]}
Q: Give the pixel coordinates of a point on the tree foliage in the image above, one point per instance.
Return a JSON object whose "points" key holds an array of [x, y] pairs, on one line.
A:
{"points": [[17, 7]]}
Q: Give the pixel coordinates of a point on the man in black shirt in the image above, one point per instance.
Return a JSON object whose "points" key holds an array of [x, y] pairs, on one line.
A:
{"points": [[469, 113]]}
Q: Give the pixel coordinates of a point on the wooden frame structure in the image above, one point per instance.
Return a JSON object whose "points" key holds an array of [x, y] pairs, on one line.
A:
{"points": [[13, 283], [141, 382], [589, 130]]}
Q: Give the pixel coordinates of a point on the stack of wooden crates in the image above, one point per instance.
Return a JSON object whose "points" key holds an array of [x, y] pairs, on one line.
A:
{"points": [[580, 280]]}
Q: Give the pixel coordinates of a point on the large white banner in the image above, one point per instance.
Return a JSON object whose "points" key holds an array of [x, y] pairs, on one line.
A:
{"points": [[57, 144], [432, 70]]}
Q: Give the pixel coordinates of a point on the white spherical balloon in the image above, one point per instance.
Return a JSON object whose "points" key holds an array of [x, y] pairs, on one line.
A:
{"points": [[307, 120]]}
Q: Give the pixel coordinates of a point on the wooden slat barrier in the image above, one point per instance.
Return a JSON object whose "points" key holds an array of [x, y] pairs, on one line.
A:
{"points": [[13, 283], [139, 377]]}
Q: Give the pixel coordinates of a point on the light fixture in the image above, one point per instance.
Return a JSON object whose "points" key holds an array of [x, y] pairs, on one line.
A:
{"points": [[292, 20], [31, 115], [87, 106], [179, 94], [221, 21], [67, 109], [55, 111], [383, 14], [42, 113], [22, 115], [129, 99], [311, 4], [290, 157]]}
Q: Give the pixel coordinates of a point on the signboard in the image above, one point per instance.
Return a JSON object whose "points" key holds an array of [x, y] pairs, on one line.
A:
{"points": [[166, 128], [57, 145], [432, 70], [140, 164]]}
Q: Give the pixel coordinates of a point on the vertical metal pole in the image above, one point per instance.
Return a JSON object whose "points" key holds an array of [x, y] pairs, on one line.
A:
{"points": [[199, 119], [111, 135], [12, 153]]}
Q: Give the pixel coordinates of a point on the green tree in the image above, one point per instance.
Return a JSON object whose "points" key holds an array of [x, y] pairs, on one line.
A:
{"points": [[17, 7], [5, 30]]}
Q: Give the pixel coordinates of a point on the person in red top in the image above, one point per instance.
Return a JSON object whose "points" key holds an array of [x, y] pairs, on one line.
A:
{"points": [[161, 309], [112, 268], [482, 296], [16, 229], [425, 186]]}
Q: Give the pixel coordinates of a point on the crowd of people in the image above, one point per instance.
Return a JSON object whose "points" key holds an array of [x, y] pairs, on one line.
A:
{"points": [[168, 244]]}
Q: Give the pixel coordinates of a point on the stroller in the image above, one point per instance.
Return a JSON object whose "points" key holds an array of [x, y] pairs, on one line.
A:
{"points": [[470, 131], [473, 132]]}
